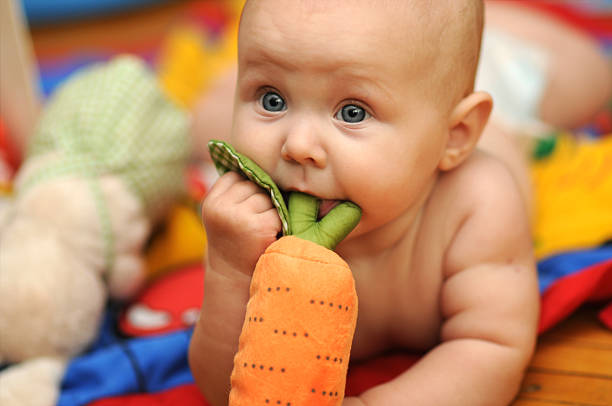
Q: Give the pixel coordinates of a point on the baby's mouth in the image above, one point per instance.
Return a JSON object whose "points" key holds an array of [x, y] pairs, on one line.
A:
{"points": [[326, 206]]}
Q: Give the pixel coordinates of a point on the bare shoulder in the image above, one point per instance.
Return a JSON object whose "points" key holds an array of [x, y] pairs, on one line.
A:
{"points": [[491, 223], [489, 290]]}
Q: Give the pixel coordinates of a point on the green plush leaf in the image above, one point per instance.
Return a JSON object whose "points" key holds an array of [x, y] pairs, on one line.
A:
{"points": [[301, 217], [331, 229], [227, 159]]}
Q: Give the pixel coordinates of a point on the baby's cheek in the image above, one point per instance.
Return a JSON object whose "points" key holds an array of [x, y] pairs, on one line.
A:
{"points": [[258, 147], [373, 186]]}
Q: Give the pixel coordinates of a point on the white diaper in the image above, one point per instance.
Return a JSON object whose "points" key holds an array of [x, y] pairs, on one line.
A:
{"points": [[514, 72]]}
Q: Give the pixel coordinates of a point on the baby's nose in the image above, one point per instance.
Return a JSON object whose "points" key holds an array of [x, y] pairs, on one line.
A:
{"points": [[303, 145]]}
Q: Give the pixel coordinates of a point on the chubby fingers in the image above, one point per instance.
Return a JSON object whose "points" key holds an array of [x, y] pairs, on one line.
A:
{"points": [[233, 186], [233, 191], [241, 222]]}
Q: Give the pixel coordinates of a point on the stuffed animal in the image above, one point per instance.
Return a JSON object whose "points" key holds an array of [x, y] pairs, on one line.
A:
{"points": [[300, 319], [105, 162]]}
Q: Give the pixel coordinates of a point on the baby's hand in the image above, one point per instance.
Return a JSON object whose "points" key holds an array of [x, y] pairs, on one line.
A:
{"points": [[240, 223]]}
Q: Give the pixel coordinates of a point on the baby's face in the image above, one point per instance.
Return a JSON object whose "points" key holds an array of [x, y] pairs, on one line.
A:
{"points": [[333, 100]]}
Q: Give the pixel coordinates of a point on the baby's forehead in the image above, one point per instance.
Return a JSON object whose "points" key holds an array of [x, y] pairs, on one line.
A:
{"points": [[416, 34], [325, 32], [424, 21]]}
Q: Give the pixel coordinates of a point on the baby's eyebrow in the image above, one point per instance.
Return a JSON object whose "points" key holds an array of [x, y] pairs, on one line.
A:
{"points": [[364, 82], [263, 57], [359, 80]]}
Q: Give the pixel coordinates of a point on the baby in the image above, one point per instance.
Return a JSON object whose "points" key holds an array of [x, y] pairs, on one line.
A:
{"points": [[373, 102]]}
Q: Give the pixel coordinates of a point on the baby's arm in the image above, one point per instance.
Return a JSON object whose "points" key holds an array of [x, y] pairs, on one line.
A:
{"points": [[240, 223], [489, 303]]}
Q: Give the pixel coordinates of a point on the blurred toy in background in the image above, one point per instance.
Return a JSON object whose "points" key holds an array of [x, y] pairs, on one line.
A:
{"points": [[191, 58], [178, 241], [196, 66], [572, 179], [169, 304], [105, 163]]}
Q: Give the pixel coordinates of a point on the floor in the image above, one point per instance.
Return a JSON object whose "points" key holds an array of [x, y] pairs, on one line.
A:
{"points": [[572, 364]]}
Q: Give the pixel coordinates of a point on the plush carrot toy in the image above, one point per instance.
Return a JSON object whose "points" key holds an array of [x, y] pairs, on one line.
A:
{"points": [[296, 339]]}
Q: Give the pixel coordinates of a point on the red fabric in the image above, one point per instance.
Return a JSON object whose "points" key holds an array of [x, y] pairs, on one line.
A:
{"points": [[606, 316], [598, 23], [186, 395], [8, 152], [365, 375], [176, 296], [567, 294], [361, 377]]}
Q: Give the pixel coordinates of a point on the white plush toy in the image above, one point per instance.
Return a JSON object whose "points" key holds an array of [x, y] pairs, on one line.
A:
{"points": [[105, 161]]}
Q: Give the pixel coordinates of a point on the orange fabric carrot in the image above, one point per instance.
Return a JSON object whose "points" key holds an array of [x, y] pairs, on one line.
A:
{"points": [[300, 319], [296, 339]]}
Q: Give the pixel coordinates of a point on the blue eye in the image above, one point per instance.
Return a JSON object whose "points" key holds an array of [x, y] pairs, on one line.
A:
{"points": [[272, 101], [352, 113]]}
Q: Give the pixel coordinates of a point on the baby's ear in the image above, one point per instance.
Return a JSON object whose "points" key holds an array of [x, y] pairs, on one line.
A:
{"points": [[467, 121]]}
